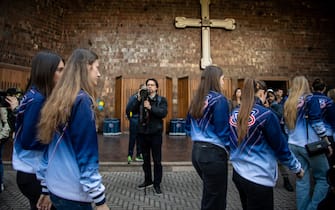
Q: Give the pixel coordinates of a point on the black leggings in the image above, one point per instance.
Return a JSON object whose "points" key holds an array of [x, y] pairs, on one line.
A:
{"points": [[29, 187]]}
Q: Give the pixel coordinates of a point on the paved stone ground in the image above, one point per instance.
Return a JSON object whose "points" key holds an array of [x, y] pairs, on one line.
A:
{"points": [[181, 188]]}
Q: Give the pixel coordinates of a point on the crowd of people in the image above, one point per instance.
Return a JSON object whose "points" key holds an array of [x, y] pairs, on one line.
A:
{"points": [[260, 130]]}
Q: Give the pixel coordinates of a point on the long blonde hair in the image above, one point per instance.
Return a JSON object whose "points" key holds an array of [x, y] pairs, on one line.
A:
{"points": [[299, 88], [57, 108]]}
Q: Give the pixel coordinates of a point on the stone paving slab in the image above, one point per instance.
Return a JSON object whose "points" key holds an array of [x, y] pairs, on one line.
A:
{"points": [[181, 190]]}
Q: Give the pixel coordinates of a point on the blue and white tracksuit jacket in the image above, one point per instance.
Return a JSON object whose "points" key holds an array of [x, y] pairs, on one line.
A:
{"points": [[27, 151], [255, 159], [70, 166], [307, 106], [327, 107], [212, 127]]}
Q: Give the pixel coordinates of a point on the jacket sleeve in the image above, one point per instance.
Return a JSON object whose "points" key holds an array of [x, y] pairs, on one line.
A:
{"points": [[221, 119], [133, 105], [85, 144], [278, 143], [159, 109], [40, 173], [132, 100], [315, 117]]}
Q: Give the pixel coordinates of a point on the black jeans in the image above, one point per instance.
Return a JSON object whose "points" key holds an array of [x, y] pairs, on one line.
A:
{"points": [[153, 143], [253, 196], [210, 162]]}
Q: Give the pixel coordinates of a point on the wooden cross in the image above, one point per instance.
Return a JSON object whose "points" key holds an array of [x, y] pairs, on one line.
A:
{"points": [[205, 23]]}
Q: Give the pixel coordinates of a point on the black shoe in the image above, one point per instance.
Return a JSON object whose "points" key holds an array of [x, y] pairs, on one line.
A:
{"points": [[158, 190], [287, 184], [144, 185]]}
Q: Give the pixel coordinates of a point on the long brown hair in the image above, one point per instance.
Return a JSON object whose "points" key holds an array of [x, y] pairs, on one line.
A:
{"points": [[299, 88], [250, 88], [210, 81], [57, 108]]}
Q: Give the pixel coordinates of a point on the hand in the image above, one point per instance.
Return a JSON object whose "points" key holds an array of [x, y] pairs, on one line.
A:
{"points": [[13, 102], [300, 174], [103, 207], [44, 202], [330, 151], [147, 104]]}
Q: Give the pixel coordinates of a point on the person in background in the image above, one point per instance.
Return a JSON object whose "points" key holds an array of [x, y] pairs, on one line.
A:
{"points": [[236, 98], [302, 114], [207, 125], [133, 130], [331, 94], [280, 96], [69, 170], [4, 136], [46, 69], [151, 109], [271, 102], [327, 107], [257, 142]]}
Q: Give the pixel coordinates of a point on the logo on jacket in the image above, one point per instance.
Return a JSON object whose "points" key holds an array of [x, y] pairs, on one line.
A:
{"points": [[251, 120]]}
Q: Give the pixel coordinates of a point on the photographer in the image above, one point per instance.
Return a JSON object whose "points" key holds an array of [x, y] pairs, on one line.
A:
{"points": [[151, 108]]}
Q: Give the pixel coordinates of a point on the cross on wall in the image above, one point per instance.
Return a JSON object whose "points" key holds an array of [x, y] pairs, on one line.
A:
{"points": [[205, 23]]}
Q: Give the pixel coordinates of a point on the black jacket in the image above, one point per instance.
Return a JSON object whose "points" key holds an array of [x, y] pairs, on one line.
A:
{"points": [[150, 121]]}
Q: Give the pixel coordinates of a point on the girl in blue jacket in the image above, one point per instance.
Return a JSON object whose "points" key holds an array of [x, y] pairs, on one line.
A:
{"points": [[69, 170], [46, 70], [257, 142], [207, 124], [299, 105]]}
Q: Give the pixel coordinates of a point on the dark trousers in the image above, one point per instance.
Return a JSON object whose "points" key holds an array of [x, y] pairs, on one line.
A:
{"points": [[153, 143], [133, 137], [210, 162], [29, 187], [253, 196]]}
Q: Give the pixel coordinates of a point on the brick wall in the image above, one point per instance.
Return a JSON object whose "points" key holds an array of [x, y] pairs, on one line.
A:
{"points": [[273, 38]]}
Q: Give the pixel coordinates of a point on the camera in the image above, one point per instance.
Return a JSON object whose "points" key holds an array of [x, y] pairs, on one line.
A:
{"points": [[144, 93], [9, 92]]}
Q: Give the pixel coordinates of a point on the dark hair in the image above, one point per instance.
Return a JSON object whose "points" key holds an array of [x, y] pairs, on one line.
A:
{"points": [[272, 93], [250, 88], [210, 81], [151, 79], [43, 68], [234, 95], [318, 85]]}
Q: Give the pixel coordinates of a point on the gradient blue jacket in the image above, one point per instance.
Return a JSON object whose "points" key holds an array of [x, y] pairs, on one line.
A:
{"points": [[70, 167], [27, 151], [255, 158], [213, 127], [308, 106], [327, 107]]}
